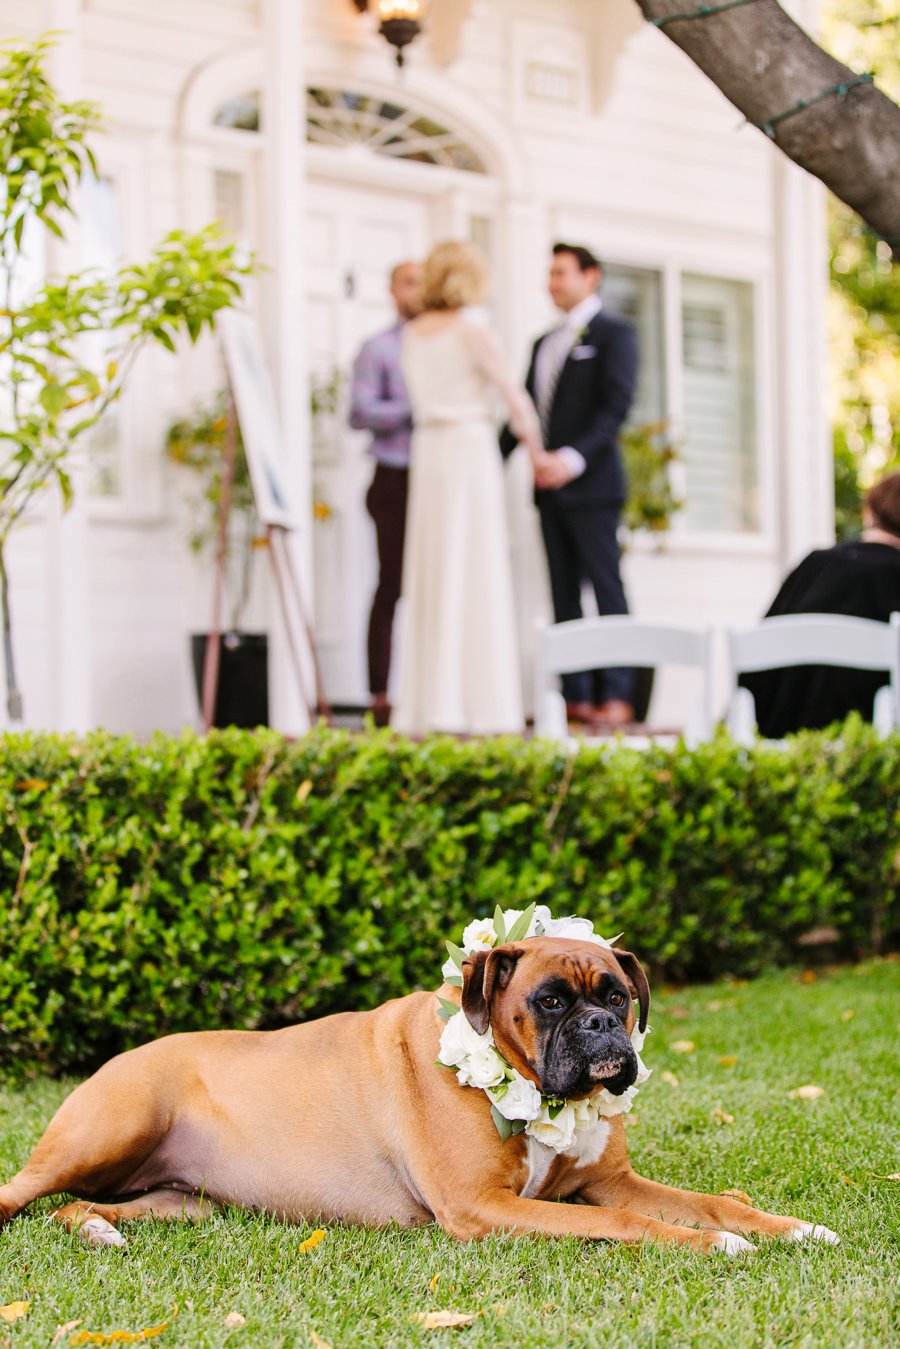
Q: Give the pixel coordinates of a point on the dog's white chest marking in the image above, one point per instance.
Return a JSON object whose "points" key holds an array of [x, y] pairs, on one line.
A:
{"points": [[589, 1145], [586, 1149]]}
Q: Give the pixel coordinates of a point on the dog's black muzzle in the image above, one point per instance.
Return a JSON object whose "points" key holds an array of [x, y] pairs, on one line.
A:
{"points": [[593, 1051]]}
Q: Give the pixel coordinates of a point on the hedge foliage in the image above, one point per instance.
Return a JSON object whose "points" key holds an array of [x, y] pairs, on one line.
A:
{"points": [[240, 881]]}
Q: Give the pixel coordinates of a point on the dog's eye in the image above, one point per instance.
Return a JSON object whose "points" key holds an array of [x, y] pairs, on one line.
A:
{"points": [[617, 999], [549, 1003]]}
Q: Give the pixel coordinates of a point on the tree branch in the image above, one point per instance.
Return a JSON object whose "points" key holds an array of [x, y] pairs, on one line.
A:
{"points": [[766, 65]]}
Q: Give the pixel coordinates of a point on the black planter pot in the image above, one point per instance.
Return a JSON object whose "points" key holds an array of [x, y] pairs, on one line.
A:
{"points": [[242, 696]]}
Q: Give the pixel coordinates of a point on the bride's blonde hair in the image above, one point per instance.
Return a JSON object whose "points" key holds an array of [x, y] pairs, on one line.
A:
{"points": [[454, 275]]}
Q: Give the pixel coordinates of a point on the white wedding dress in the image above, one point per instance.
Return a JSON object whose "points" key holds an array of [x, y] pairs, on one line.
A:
{"points": [[459, 666]]}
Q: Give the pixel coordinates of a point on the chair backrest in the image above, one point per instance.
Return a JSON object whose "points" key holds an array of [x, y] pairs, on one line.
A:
{"points": [[596, 643], [815, 639]]}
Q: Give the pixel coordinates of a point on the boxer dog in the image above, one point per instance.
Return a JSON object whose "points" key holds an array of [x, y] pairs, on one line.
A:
{"points": [[350, 1118]]}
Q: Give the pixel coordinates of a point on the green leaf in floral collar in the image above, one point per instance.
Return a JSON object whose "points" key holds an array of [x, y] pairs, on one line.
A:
{"points": [[521, 925]]}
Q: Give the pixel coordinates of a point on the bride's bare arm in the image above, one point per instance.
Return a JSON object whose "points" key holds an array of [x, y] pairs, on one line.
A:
{"points": [[523, 419]]}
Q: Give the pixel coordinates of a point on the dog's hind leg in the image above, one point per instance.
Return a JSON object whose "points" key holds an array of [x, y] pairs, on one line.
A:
{"points": [[97, 1139], [96, 1223]]}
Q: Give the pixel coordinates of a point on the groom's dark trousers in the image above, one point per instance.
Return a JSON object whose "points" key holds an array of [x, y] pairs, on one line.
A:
{"points": [[580, 521]]}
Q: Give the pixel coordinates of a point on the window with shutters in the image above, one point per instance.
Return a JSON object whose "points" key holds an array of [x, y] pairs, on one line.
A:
{"points": [[719, 405]]}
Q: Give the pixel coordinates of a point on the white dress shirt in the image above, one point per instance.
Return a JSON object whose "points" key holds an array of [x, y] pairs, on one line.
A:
{"points": [[545, 367]]}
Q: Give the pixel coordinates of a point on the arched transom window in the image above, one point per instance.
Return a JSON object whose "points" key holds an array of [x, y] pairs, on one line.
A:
{"points": [[340, 117]]}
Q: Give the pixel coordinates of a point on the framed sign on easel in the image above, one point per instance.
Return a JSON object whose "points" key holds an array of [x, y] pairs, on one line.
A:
{"points": [[252, 406]]}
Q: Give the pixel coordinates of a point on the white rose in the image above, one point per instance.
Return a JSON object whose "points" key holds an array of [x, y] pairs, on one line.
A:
{"points": [[576, 929], [449, 970], [607, 1104], [642, 1073], [585, 1112], [521, 1100], [638, 1037], [557, 1133], [511, 916], [479, 936], [484, 1068], [459, 1039]]}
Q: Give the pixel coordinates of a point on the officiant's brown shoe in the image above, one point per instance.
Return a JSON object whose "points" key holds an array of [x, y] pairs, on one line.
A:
{"points": [[613, 715]]}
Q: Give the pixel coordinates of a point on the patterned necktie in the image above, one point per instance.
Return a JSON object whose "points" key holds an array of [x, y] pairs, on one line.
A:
{"points": [[553, 359]]}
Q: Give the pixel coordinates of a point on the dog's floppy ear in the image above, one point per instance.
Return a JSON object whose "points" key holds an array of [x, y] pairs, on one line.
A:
{"points": [[483, 973], [637, 983]]}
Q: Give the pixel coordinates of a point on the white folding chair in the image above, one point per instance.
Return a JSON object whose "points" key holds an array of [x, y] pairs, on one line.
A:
{"points": [[597, 643], [815, 639]]}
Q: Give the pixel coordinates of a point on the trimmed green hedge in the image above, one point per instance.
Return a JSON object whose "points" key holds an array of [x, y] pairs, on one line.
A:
{"points": [[239, 881]]}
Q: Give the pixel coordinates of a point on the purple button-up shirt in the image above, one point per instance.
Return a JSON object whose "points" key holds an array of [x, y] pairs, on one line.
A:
{"points": [[378, 399]]}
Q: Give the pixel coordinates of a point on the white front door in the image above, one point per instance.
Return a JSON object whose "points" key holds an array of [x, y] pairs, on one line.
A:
{"points": [[354, 236]]}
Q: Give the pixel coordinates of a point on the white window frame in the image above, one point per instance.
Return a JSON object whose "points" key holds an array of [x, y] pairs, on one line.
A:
{"points": [[681, 538]]}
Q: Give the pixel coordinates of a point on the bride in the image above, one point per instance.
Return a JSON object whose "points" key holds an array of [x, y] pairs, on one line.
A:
{"points": [[459, 667]]}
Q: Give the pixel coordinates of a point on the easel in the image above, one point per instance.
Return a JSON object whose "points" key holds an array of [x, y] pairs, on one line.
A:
{"points": [[287, 587]]}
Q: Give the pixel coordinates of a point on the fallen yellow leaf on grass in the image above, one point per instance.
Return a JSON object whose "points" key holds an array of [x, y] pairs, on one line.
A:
{"points": [[809, 977], [234, 1320], [119, 1336], [722, 1116], [848, 1015], [434, 1283], [318, 1341], [683, 1046], [669, 1077], [14, 1311], [443, 1320], [312, 1242], [895, 1175], [807, 1093], [728, 1060], [64, 1330]]}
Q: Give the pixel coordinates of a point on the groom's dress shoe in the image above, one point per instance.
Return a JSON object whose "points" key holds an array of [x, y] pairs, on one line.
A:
{"points": [[582, 713], [614, 714]]}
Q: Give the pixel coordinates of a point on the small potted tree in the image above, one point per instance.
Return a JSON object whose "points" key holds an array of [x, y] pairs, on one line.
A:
{"points": [[56, 392], [199, 443], [649, 455]]}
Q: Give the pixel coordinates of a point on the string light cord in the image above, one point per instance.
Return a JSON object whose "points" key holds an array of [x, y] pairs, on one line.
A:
{"points": [[802, 104], [704, 12]]}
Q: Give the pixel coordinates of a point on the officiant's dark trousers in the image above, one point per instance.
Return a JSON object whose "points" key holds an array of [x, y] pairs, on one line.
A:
{"points": [[386, 503], [582, 545]]}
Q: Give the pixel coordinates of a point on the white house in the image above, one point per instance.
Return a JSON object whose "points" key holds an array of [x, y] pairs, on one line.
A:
{"points": [[515, 123]]}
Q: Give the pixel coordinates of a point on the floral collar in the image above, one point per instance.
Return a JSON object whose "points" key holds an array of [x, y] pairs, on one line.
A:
{"points": [[516, 1103]]}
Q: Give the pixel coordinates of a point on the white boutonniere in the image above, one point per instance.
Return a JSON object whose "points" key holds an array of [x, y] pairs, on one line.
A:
{"points": [[516, 1103]]}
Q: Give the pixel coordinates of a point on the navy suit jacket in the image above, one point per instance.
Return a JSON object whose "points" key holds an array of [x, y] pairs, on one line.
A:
{"points": [[591, 401]]}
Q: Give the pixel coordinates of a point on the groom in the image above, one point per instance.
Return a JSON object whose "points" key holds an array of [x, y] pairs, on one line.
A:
{"points": [[582, 377]]}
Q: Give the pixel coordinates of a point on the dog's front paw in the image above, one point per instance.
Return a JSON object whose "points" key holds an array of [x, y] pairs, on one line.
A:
{"points": [[98, 1232], [731, 1244], [814, 1232]]}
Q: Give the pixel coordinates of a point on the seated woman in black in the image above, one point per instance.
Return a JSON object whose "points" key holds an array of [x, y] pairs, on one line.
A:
{"points": [[861, 578]]}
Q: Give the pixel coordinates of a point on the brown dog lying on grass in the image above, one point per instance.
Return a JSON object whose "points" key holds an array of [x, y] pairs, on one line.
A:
{"points": [[351, 1118]]}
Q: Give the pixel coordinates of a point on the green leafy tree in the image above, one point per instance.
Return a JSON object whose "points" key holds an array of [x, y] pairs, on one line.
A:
{"points": [[58, 392]]}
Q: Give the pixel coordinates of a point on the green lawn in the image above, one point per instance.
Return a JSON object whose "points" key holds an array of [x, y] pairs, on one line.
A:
{"points": [[822, 1159]]}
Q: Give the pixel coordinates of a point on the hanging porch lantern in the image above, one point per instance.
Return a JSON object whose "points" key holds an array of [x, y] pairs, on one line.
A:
{"points": [[400, 21]]}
